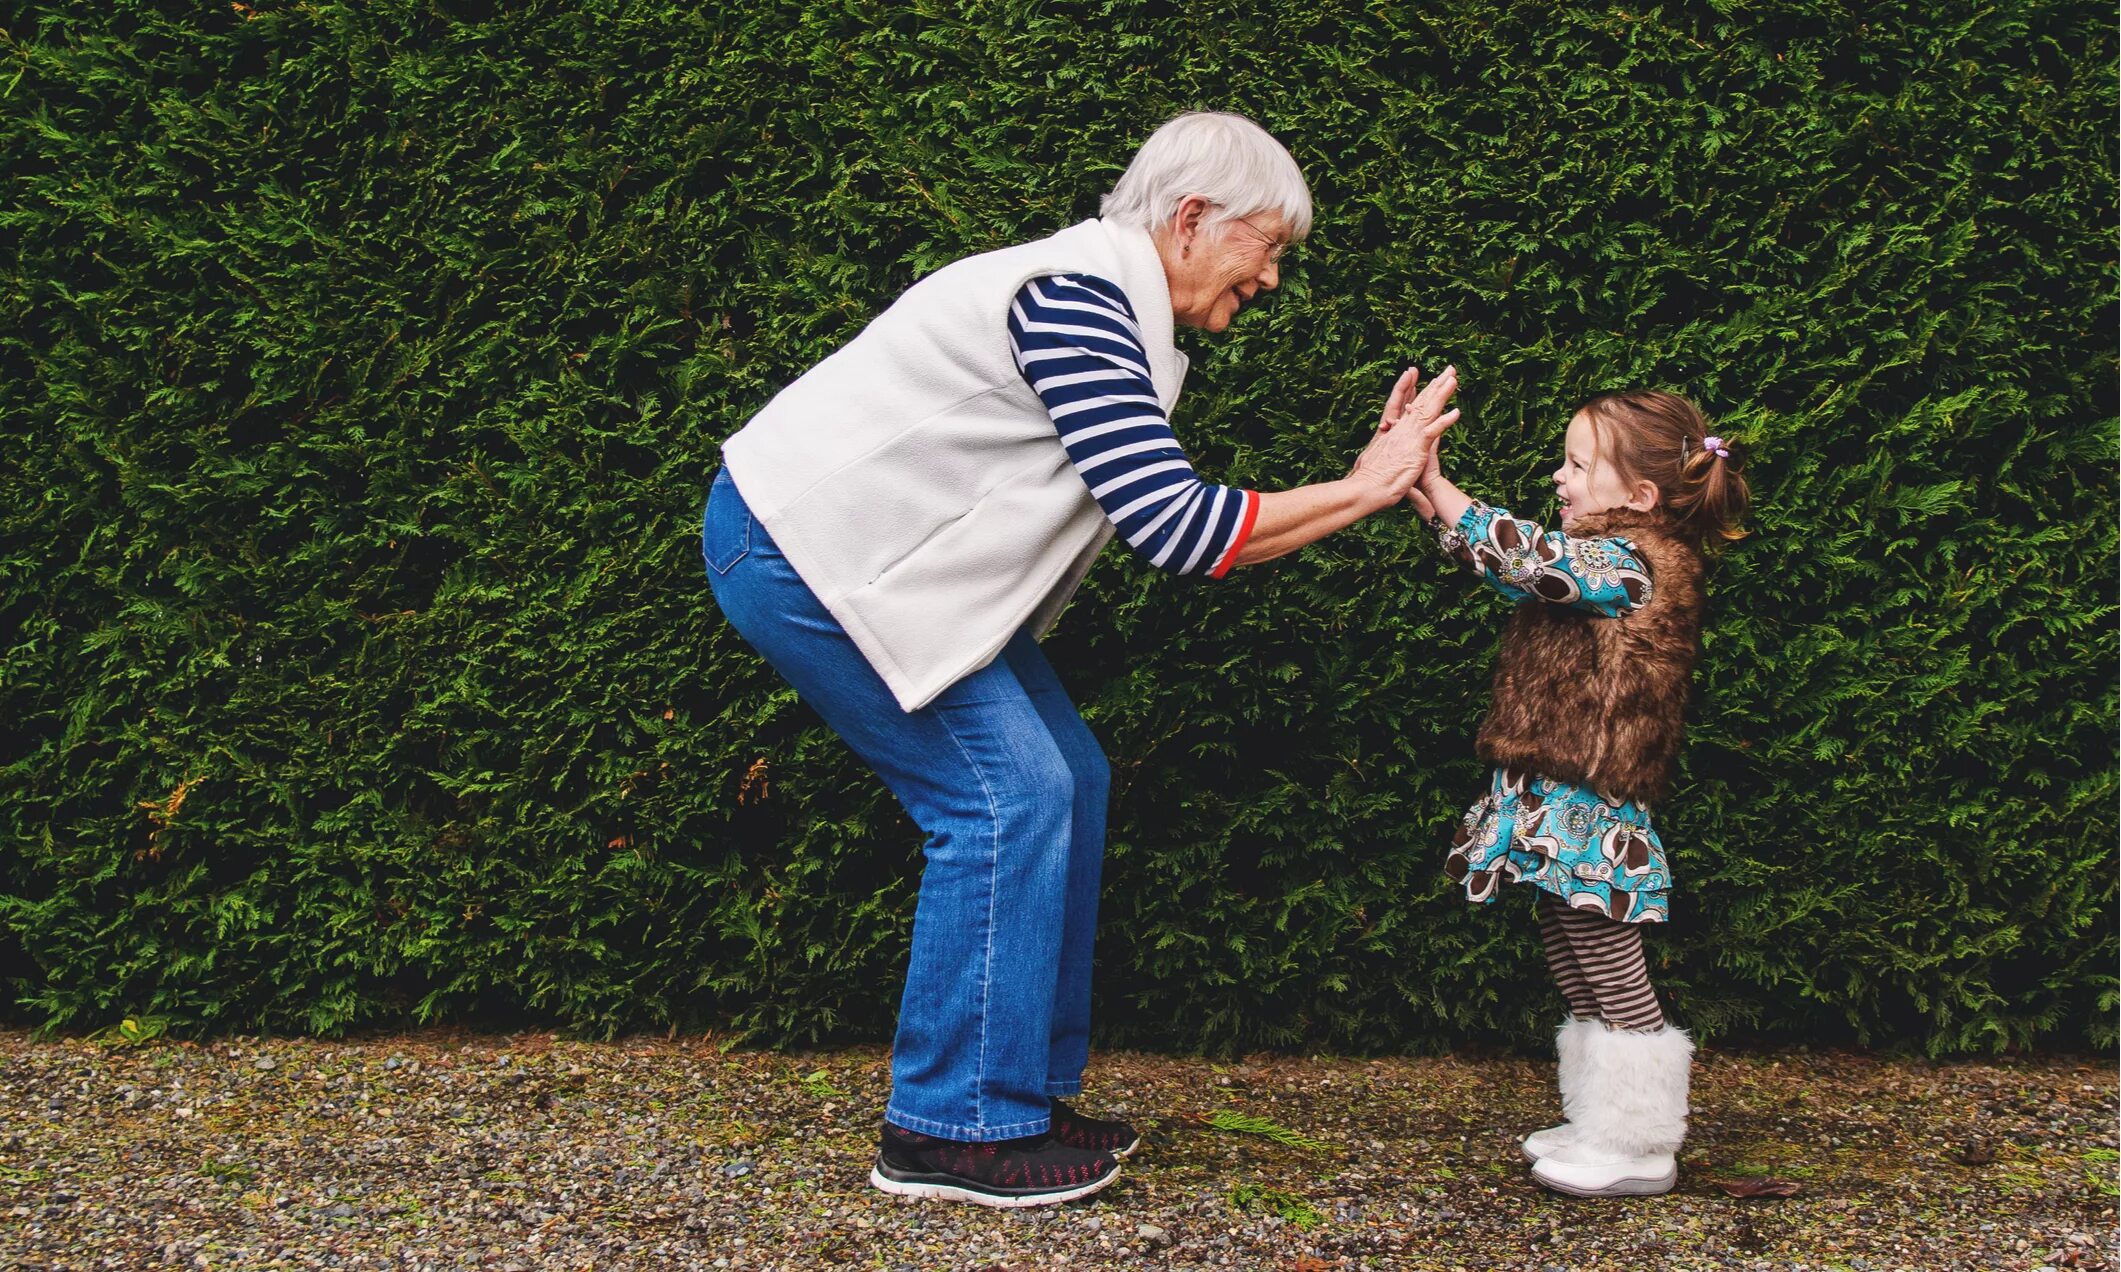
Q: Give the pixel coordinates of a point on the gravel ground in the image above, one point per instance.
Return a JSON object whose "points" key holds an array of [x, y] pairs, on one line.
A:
{"points": [[451, 1150]]}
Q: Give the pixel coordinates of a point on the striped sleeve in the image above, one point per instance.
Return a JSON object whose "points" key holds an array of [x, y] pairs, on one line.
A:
{"points": [[1078, 346]]}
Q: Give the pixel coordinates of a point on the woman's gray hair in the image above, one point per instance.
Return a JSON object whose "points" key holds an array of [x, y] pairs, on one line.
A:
{"points": [[1226, 159]]}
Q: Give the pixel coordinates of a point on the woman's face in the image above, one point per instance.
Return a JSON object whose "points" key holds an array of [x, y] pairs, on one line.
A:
{"points": [[1586, 483], [1218, 270]]}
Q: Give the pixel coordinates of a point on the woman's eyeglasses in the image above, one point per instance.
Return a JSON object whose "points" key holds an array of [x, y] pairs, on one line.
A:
{"points": [[1275, 246]]}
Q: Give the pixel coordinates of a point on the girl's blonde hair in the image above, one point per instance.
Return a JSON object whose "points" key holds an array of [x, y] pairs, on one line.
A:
{"points": [[1661, 438]]}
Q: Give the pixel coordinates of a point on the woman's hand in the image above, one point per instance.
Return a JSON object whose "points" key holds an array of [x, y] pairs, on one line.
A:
{"points": [[1407, 435], [1383, 475]]}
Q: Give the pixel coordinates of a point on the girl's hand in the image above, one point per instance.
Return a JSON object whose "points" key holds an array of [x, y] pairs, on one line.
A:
{"points": [[1430, 473], [1396, 402], [1434, 471], [1436, 497], [1398, 454]]}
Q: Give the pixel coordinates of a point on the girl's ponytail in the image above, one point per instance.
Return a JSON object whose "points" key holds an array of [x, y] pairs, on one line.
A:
{"points": [[1663, 439]]}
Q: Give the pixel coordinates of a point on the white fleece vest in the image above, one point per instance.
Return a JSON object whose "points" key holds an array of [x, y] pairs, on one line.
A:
{"points": [[917, 484]]}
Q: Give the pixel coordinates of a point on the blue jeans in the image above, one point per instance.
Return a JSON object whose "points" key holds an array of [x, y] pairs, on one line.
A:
{"points": [[1010, 787]]}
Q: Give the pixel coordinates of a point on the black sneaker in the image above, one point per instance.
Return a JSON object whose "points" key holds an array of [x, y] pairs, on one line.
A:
{"points": [[1076, 1131], [1032, 1171]]}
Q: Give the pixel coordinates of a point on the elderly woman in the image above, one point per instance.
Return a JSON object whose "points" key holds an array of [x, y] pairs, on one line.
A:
{"points": [[899, 526]]}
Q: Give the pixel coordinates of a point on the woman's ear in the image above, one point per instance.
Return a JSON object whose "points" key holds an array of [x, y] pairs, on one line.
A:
{"points": [[1187, 218], [1644, 496]]}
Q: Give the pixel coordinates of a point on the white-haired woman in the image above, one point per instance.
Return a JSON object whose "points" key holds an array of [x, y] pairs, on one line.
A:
{"points": [[898, 527]]}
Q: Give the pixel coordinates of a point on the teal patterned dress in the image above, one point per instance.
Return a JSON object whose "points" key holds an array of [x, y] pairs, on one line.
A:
{"points": [[1594, 851]]}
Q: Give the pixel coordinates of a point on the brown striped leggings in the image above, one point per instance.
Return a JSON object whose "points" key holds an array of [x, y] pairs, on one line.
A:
{"points": [[1598, 964]]}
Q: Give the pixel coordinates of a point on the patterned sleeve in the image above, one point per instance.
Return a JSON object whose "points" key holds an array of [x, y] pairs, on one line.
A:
{"points": [[1078, 347], [1527, 563]]}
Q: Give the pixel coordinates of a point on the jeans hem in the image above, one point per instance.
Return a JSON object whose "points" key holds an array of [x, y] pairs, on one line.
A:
{"points": [[967, 1134], [1055, 1086]]}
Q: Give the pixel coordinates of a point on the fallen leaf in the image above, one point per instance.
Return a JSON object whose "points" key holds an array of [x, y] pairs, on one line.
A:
{"points": [[1975, 1153], [1760, 1187]]}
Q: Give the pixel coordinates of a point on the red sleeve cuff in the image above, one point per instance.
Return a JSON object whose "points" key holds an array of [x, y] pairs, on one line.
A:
{"points": [[1244, 532]]}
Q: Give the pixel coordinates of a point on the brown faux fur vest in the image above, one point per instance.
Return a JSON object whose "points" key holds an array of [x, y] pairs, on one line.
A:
{"points": [[1602, 701]]}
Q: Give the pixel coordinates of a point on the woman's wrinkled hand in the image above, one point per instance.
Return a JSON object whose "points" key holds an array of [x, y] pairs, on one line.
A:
{"points": [[1407, 435]]}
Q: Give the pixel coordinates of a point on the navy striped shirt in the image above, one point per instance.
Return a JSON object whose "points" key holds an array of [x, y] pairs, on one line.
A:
{"points": [[1078, 345]]}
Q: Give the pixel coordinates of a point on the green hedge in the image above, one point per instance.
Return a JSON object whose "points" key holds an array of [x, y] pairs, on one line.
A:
{"points": [[364, 371]]}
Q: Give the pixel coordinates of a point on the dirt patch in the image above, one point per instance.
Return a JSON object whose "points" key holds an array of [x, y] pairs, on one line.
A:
{"points": [[450, 1150]]}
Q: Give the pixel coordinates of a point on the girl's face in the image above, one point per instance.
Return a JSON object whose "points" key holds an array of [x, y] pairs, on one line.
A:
{"points": [[1588, 485]]}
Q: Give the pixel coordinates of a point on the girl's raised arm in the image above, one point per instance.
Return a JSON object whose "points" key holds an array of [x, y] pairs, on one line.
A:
{"points": [[1526, 562]]}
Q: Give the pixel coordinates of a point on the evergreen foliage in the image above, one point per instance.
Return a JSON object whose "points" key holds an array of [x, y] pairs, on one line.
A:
{"points": [[364, 367]]}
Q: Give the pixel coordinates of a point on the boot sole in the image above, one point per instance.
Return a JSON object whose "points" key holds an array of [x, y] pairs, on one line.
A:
{"points": [[942, 1188], [1634, 1186]]}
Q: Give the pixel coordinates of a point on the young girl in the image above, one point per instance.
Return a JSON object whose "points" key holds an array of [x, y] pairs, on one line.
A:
{"points": [[1589, 701]]}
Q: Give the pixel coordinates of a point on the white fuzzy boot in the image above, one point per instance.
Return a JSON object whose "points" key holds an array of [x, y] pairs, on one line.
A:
{"points": [[1569, 1048], [1630, 1114]]}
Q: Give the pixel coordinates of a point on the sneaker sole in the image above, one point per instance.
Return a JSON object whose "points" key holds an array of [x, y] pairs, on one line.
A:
{"points": [[1128, 1151], [1634, 1186], [933, 1187]]}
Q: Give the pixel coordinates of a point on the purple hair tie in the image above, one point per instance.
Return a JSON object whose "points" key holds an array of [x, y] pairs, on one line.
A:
{"points": [[1715, 445]]}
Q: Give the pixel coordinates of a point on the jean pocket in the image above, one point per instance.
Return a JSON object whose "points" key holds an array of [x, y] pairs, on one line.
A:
{"points": [[727, 537]]}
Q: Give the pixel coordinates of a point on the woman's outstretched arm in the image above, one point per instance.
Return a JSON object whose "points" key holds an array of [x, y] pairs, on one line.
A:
{"points": [[1386, 471]]}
